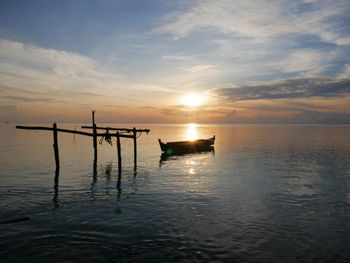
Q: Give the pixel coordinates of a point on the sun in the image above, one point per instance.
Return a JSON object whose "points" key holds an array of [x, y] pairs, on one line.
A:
{"points": [[193, 99]]}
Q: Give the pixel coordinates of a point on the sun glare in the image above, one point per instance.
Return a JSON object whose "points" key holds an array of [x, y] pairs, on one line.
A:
{"points": [[191, 132], [193, 99]]}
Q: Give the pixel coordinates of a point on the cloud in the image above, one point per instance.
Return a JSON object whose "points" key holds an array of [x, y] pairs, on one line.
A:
{"points": [[7, 107], [287, 89], [24, 65], [30, 73], [291, 113], [146, 107], [175, 57], [345, 73], [203, 67], [261, 40], [13, 90], [307, 61], [26, 99], [263, 19], [301, 117]]}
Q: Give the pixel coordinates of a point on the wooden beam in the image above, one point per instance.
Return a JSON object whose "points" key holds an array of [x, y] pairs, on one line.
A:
{"points": [[116, 129], [121, 135], [70, 131], [50, 129]]}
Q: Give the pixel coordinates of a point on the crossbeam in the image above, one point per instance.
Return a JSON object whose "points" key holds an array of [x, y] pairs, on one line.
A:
{"points": [[72, 131], [116, 129], [51, 129]]}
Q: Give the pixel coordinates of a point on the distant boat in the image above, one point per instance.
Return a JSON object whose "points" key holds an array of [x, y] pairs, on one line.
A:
{"points": [[187, 146]]}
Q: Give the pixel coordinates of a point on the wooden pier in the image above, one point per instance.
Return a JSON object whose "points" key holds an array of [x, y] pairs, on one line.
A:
{"points": [[119, 133]]}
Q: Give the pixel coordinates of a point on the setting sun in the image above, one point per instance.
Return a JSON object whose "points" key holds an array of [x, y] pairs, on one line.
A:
{"points": [[193, 99]]}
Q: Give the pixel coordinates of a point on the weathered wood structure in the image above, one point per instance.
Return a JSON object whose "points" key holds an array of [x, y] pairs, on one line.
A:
{"points": [[120, 133]]}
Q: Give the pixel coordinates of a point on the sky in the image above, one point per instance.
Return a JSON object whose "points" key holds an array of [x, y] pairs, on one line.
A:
{"points": [[133, 61]]}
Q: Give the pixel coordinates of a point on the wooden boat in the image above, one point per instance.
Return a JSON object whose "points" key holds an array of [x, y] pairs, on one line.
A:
{"points": [[187, 146]]}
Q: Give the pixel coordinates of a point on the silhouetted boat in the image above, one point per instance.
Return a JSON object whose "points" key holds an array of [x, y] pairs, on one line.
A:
{"points": [[187, 146]]}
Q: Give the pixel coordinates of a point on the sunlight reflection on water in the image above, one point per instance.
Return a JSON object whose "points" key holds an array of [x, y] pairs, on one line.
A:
{"points": [[267, 194]]}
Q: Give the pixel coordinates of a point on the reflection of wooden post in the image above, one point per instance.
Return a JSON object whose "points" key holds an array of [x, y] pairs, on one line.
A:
{"points": [[55, 198], [94, 132], [119, 153], [55, 146], [135, 146], [119, 184], [94, 171]]}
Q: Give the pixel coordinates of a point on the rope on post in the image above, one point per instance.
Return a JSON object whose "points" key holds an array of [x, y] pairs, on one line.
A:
{"points": [[107, 137]]}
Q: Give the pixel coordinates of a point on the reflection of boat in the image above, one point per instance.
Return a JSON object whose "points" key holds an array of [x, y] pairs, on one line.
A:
{"points": [[175, 156], [180, 147], [164, 156]]}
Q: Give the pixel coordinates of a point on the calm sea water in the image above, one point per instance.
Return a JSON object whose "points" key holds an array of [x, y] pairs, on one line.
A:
{"points": [[267, 194]]}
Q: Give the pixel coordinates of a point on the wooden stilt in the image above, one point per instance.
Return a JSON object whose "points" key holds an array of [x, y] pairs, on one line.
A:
{"points": [[55, 146], [93, 116], [135, 147], [119, 153], [94, 132]]}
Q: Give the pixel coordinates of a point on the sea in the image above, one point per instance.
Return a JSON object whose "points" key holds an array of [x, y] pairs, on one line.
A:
{"points": [[266, 193]]}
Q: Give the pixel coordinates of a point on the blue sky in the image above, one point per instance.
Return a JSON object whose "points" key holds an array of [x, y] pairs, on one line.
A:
{"points": [[132, 61]]}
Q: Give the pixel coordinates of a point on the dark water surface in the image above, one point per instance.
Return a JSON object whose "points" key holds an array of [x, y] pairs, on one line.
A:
{"points": [[267, 194]]}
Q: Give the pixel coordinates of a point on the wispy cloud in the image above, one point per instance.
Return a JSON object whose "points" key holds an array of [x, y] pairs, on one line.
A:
{"points": [[262, 40], [175, 57], [203, 68], [287, 89], [26, 99], [346, 72], [38, 74], [263, 19], [308, 62]]}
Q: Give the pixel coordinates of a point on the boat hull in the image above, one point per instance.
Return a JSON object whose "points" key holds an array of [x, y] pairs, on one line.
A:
{"points": [[187, 146]]}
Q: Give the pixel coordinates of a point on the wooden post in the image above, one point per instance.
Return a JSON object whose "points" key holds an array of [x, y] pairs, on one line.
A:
{"points": [[119, 153], [94, 132], [55, 146], [135, 147]]}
